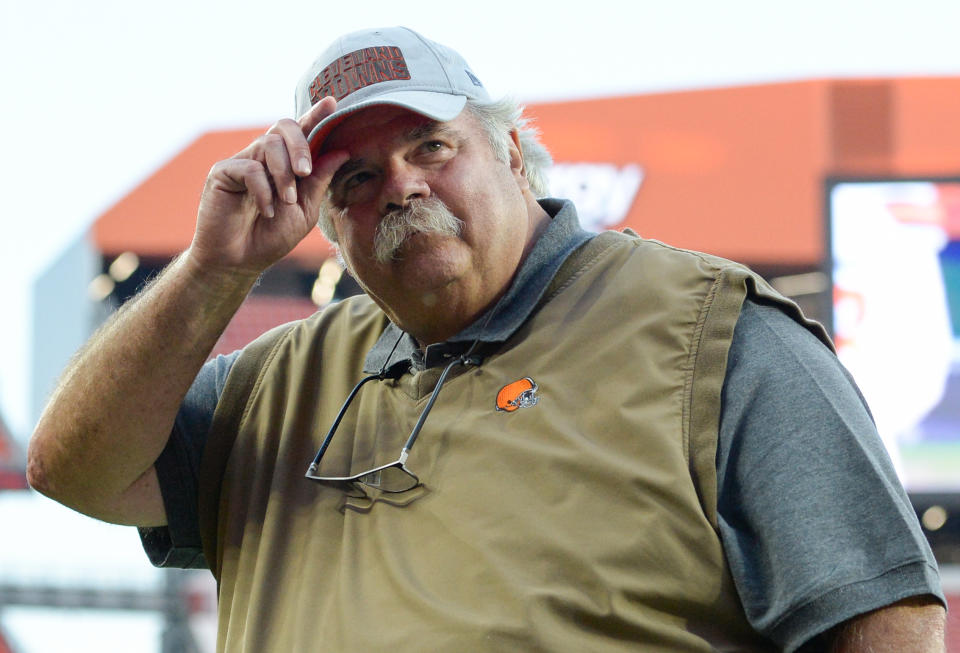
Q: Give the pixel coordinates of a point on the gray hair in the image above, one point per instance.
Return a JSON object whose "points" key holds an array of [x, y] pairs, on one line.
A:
{"points": [[498, 120]]}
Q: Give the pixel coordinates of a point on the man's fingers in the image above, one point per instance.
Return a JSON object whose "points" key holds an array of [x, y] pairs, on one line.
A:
{"points": [[294, 135], [247, 175], [313, 189], [278, 161], [308, 121], [285, 152], [317, 112], [277, 169], [265, 183], [295, 143]]}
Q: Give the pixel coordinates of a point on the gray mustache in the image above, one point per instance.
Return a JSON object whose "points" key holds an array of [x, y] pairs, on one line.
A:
{"points": [[428, 216]]}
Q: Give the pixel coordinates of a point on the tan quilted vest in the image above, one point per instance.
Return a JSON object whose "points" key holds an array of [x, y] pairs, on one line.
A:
{"points": [[584, 522]]}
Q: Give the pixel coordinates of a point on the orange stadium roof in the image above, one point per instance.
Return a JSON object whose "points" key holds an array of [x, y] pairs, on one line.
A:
{"points": [[738, 172]]}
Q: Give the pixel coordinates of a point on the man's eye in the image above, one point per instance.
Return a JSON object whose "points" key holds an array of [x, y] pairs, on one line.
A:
{"points": [[355, 180], [433, 146]]}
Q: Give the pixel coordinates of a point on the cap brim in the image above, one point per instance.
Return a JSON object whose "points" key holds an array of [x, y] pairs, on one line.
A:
{"points": [[437, 106]]}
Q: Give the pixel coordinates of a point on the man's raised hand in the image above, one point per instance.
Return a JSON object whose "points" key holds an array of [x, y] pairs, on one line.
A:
{"points": [[257, 205]]}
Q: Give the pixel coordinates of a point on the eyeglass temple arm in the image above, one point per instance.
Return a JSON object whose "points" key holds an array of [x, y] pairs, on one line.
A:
{"points": [[333, 429], [460, 360]]}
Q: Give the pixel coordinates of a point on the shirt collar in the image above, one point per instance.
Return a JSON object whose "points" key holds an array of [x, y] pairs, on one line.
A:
{"points": [[562, 236]]}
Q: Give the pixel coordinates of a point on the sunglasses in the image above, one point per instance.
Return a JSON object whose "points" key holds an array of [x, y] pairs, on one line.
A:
{"points": [[395, 476]]}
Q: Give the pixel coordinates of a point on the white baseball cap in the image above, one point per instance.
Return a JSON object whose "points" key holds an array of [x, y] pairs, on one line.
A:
{"points": [[392, 66]]}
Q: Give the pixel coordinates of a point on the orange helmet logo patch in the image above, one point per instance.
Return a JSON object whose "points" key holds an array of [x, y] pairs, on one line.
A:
{"points": [[519, 394]]}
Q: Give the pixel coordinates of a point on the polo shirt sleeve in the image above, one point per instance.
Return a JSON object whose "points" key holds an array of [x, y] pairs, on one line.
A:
{"points": [[178, 543], [815, 524]]}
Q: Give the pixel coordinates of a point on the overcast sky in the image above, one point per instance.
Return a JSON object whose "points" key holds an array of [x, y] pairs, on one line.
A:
{"points": [[97, 94]]}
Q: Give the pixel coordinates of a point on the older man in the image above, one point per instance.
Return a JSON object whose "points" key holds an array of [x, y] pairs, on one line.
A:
{"points": [[523, 437]]}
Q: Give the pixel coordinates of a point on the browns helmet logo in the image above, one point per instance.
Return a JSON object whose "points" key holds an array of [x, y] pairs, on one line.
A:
{"points": [[519, 394]]}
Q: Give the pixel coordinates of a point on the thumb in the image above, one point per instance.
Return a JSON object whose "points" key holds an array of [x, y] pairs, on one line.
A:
{"points": [[313, 188]]}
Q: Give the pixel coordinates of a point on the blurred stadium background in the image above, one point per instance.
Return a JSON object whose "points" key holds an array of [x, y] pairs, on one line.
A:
{"points": [[114, 111]]}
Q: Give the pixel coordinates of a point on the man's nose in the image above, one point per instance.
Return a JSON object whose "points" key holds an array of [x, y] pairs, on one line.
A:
{"points": [[403, 182]]}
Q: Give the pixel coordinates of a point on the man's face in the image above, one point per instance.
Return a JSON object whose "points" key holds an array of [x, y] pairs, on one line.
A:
{"points": [[433, 279]]}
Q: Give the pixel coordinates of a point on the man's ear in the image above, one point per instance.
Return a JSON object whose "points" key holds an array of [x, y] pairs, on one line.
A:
{"points": [[516, 159]]}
